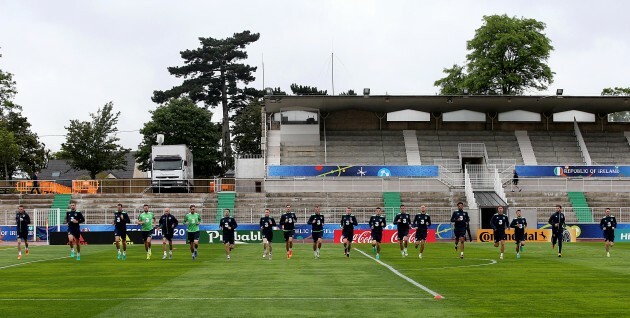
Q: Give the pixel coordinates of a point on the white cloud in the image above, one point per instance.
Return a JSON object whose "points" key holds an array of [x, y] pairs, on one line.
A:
{"points": [[71, 57]]}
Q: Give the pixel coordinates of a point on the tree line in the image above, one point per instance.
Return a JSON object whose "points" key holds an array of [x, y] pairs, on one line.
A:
{"points": [[506, 56]]}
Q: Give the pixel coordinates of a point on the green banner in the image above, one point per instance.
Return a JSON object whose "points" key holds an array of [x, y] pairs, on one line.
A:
{"points": [[240, 237]]}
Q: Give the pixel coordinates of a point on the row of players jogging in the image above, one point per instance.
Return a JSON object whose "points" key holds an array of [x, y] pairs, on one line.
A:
{"points": [[421, 222]]}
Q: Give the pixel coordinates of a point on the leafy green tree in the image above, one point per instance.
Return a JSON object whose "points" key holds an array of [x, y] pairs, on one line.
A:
{"points": [[247, 129], [93, 145], [508, 56], [182, 122], [7, 92], [278, 91], [453, 83], [10, 152], [306, 90], [212, 74], [618, 91], [350, 92], [32, 155]]}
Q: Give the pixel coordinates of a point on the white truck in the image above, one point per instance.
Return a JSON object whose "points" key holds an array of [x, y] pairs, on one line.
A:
{"points": [[171, 168]]}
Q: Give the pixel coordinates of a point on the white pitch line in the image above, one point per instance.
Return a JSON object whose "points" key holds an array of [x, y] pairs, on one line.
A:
{"points": [[210, 298], [393, 270], [31, 262], [492, 262]]}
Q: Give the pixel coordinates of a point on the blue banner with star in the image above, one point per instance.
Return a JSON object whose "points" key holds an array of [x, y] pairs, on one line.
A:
{"points": [[353, 171]]}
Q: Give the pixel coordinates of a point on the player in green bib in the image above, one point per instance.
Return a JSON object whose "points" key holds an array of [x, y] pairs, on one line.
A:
{"points": [[192, 220], [146, 219]]}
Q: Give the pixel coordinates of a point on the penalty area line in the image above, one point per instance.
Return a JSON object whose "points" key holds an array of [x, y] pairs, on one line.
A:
{"points": [[399, 274]]}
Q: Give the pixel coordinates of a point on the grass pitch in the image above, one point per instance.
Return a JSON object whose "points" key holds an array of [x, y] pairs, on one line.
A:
{"points": [[583, 282]]}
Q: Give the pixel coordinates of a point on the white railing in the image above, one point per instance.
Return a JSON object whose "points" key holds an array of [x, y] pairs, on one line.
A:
{"points": [[451, 179], [41, 217], [574, 185], [209, 215], [498, 186], [503, 164], [445, 177], [578, 134], [470, 195], [472, 150], [481, 176], [452, 165]]}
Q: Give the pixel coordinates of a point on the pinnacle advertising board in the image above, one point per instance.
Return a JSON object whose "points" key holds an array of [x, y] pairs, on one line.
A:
{"points": [[240, 237], [389, 236]]}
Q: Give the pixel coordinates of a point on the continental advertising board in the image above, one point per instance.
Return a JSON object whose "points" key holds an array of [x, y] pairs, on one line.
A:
{"points": [[538, 235], [592, 231]]}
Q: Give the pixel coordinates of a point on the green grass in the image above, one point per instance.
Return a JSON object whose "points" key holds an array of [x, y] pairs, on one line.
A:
{"points": [[582, 283]]}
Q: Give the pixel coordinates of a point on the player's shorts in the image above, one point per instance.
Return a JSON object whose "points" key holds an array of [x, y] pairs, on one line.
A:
{"points": [[228, 237], [268, 235], [193, 236], [403, 233], [22, 235], [168, 235], [121, 232], [75, 232], [519, 236], [349, 235], [288, 234], [421, 235], [377, 236], [460, 233], [515, 181], [146, 235], [316, 236], [609, 236], [499, 236]]}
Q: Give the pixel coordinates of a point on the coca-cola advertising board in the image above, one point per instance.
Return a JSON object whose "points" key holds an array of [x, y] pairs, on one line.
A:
{"points": [[389, 236]]}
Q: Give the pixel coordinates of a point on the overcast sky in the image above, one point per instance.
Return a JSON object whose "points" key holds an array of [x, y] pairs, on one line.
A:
{"points": [[71, 57]]}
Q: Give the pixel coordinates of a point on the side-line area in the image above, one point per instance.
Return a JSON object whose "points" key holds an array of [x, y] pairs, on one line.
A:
{"points": [[210, 298], [399, 274], [31, 262]]}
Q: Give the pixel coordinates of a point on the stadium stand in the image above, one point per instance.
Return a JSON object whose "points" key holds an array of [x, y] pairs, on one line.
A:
{"points": [[557, 147], [137, 200], [529, 200], [9, 202], [333, 204], [444, 144], [607, 147], [61, 202], [392, 203], [525, 146], [225, 200], [348, 148], [580, 206]]}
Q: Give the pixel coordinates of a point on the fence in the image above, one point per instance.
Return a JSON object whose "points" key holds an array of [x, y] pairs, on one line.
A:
{"points": [[446, 179], [452, 165], [41, 217]]}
